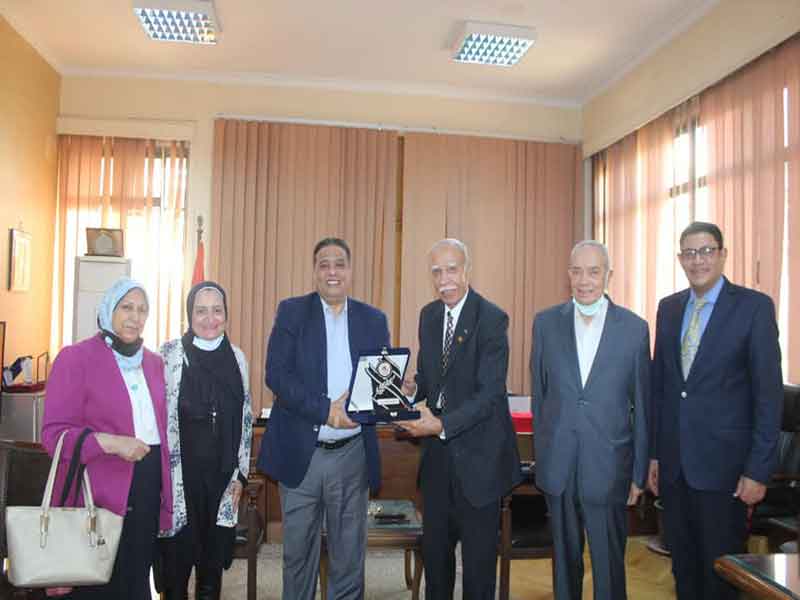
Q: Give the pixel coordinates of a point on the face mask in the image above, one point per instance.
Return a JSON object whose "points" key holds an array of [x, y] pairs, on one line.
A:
{"points": [[590, 310], [207, 345]]}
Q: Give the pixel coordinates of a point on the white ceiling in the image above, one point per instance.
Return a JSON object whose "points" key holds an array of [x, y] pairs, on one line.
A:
{"points": [[582, 45]]}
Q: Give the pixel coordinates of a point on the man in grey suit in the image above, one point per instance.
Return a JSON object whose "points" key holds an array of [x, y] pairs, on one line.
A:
{"points": [[590, 369]]}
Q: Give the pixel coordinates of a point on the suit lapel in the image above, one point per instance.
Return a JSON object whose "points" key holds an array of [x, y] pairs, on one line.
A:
{"points": [[354, 333], [151, 377], [570, 346], [435, 328], [319, 340], [716, 325], [605, 348], [673, 324], [462, 330], [120, 388]]}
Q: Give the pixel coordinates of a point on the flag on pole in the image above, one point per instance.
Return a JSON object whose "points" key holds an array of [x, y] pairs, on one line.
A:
{"points": [[198, 274]]}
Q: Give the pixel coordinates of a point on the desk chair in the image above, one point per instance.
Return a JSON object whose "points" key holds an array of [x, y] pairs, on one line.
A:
{"points": [[524, 528], [776, 515]]}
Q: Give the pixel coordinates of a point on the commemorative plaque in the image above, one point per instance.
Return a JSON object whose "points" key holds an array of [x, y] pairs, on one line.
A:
{"points": [[376, 388]]}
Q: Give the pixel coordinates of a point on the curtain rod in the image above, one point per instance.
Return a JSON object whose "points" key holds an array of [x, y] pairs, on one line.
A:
{"points": [[392, 127]]}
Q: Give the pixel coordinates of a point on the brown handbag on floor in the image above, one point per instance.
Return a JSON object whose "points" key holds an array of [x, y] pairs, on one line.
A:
{"points": [[61, 546]]}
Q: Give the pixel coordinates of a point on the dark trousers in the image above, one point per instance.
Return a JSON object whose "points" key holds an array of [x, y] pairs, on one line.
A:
{"points": [[607, 528], [180, 558], [130, 579], [201, 544], [448, 519], [701, 526]]}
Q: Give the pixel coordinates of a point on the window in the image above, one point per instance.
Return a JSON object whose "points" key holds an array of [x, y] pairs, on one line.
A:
{"points": [[140, 187], [702, 162]]}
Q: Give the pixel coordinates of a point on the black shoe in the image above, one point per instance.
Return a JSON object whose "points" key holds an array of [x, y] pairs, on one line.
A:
{"points": [[209, 584]]}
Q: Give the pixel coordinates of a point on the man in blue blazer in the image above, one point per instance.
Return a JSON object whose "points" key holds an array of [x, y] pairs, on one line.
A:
{"points": [[590, 369], [323, 461], [717, 399]]}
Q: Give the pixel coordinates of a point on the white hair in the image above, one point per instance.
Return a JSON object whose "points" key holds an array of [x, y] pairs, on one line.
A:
{"points": [[591, 244], [452, 243]]}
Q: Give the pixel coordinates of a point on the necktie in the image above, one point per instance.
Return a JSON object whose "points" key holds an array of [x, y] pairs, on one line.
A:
{"points": [[448, 344], [448, 341], [691, 339]]}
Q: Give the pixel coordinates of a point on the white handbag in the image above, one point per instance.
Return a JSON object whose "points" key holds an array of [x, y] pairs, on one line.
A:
{"points": [[61, 546]]}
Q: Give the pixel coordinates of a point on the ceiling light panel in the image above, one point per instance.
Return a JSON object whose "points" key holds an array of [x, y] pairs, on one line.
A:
{"points": [[491, 44], [187, 21]]}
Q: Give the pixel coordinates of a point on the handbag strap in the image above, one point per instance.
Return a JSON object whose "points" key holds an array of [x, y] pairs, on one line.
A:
{"points": [[75, 471], [47, 499]]}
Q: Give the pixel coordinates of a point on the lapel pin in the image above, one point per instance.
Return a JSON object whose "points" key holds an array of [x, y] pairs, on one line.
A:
{"points": [[459, 339]]}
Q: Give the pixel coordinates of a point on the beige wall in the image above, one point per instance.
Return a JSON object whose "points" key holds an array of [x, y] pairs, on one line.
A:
{"points": [[29, 98], [141, 105], [730, 35]]}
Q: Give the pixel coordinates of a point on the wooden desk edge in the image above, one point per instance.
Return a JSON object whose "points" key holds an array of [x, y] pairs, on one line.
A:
{"points": [[746, 581]]}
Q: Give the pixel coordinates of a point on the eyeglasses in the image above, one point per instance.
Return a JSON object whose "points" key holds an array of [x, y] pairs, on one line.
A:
{"points": [[704, 253]]}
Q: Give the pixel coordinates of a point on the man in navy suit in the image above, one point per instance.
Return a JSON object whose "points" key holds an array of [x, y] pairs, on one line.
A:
{"points": [[717, 398], [590, 369], [323, 461]]}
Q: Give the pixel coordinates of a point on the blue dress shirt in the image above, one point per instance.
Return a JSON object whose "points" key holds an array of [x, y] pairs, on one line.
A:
{"points": [[340, 365], [705, 312]]}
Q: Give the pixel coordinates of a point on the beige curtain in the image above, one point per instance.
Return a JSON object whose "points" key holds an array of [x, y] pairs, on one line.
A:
{"points": [[731, 157], [754, 188], [277, 190], [513, 204], [743, 119], [639, 213], [135, 185], [789, 57]]}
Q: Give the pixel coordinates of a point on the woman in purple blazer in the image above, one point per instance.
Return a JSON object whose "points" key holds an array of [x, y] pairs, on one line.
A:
{"points": [[112, 386]]}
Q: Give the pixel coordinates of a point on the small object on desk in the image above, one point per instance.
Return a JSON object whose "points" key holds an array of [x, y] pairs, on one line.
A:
{"points": [[390, 519]]}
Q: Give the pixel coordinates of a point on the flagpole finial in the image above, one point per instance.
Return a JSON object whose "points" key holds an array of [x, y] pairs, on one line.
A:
{"points": [[198, 273]]}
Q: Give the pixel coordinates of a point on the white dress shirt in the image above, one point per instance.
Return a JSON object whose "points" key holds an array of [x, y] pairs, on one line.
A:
{"points": [[587, 338], [145, 427], [455, 312]]}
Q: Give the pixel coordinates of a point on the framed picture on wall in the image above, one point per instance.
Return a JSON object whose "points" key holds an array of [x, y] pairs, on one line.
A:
{"points": [[19, 268], [2, 344], [101, 241]]}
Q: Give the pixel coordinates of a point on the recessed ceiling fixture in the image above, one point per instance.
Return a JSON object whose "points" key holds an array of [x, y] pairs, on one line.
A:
{"points": [[491, 44], [189, 21]]}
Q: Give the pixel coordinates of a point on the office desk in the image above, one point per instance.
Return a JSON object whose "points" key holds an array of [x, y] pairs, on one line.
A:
{"points": [[399, 464], [768, 576], [406, 535]]}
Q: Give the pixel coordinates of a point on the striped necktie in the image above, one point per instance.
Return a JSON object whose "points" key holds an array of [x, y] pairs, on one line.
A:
{"points": [[691, 339], [448, 341], [448, 344]]}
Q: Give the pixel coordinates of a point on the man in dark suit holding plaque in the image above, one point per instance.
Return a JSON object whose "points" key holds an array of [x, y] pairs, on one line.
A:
{"points": [[469, 457], [322, 460]]}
